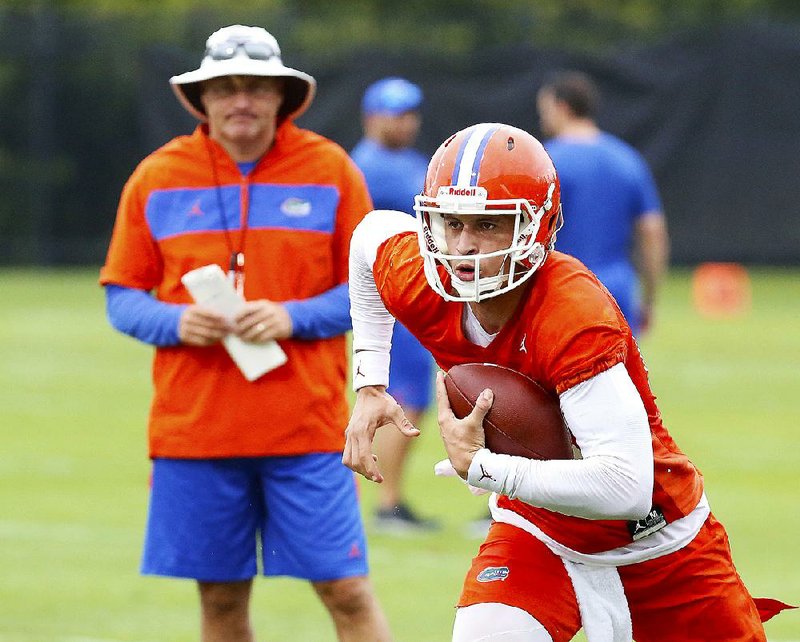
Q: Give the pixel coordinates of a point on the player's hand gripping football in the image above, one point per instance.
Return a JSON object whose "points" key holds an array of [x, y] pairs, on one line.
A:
{"points": [[374, 408], [462, 437]]}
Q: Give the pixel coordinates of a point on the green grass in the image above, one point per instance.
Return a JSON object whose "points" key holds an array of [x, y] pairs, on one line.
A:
{"points": [[74, 397]]}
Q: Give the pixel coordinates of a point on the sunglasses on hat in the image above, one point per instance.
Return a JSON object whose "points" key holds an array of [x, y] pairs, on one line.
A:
{"points": [[227, 49]]}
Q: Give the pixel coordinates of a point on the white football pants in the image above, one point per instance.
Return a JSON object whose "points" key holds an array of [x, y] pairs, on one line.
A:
{"points": [[493, 622]]}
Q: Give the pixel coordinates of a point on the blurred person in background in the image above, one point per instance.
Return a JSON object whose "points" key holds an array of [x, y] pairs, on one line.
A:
{"points": [[395, 174], [613, 218], [242, 467]]}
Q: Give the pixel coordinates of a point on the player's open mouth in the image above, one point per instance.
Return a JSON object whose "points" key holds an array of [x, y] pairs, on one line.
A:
{"points": [[465, 271]]}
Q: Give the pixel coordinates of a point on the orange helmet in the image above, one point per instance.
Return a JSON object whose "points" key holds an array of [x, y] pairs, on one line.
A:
{"points": [[489, 169]]}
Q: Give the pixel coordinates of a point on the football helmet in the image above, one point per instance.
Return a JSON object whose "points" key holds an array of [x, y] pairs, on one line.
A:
{"points": [[489, 169]]}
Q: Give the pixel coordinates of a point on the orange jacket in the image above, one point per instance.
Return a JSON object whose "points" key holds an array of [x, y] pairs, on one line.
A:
{"points": [[298, 208]]}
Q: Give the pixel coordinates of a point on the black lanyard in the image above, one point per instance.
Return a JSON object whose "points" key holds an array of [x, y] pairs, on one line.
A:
{"points": [[236, 261]]}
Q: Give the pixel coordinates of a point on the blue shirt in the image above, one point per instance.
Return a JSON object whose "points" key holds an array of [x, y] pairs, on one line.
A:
{"points": [[394, 176], [606, 186], [140, 315]]}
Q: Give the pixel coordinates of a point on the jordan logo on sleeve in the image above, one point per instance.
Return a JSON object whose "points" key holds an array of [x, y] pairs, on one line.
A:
{"points": [[485, 475]]}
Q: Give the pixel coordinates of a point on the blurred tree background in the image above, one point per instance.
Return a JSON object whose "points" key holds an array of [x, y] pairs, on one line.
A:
{"points": [[79, 111]]}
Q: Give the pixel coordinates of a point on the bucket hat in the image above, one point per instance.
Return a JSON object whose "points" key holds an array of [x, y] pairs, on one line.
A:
{"points": [[238, 50]]}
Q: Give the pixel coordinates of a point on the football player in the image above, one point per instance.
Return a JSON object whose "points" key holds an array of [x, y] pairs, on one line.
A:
{"points": [[620, 541]]}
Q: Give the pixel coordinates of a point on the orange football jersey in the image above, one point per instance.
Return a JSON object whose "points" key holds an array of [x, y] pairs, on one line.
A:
{"points": [[567, 329]]}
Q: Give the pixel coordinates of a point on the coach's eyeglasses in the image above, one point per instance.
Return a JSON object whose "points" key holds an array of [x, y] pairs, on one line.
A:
{"points": [[227, 49]]}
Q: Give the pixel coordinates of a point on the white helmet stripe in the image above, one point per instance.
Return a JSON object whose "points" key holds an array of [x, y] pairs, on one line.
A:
{"points": [[465, 171]]}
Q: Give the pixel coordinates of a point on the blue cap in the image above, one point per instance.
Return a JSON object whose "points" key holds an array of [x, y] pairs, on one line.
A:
{"points": [[391, 96]]}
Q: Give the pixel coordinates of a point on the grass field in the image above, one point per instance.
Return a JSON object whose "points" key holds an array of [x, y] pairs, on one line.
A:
{"points": [[73, 471]]}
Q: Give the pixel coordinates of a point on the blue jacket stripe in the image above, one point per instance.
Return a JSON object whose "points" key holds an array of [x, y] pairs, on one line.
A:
{"points": [[291, 207]]}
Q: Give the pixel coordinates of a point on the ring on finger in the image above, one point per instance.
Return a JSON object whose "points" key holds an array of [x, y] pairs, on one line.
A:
{"points": [[260, 327]]}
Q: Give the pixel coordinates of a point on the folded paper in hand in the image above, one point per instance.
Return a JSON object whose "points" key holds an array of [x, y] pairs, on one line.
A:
{"points": [[210, 288]]}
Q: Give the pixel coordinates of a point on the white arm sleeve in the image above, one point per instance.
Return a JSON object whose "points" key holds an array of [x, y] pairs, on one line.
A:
{"points": [[614, 480], [372, 323]]}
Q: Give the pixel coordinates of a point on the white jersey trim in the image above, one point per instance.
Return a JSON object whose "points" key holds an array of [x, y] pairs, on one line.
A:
{"points": [[674, 536]]}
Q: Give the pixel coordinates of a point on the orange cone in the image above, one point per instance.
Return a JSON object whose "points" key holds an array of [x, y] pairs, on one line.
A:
{"points": [[721, 289]]}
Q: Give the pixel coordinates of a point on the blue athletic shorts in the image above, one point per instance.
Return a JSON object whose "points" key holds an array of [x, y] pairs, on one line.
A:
{"points": [[209, 518], [410, 371]]}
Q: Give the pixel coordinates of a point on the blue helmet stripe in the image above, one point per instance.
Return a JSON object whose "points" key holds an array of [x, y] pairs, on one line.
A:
{"points": [[459, 156], [470, 154], [479, 154]]}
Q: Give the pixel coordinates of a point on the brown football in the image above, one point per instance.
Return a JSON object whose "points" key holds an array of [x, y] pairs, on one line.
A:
{"points": [[524, 420]]}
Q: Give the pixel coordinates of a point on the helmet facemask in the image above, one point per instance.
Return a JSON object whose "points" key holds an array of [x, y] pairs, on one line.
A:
{"points": [[521, 258]]}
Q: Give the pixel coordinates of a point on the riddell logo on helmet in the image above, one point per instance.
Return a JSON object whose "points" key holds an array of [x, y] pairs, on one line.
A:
{"points": [[469, 192], [461, 191], [430, 243]]}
